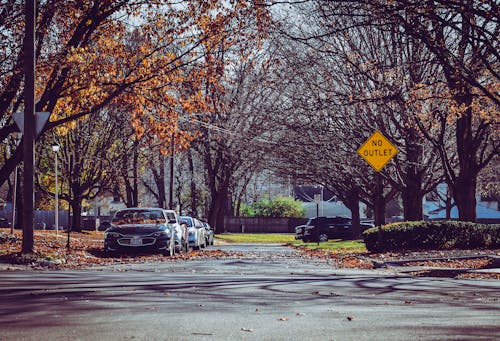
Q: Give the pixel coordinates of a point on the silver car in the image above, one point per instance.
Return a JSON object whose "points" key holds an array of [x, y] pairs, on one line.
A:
{"points": [[196, 232]]}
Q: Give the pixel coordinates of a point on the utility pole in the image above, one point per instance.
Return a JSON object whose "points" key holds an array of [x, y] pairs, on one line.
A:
{"points": [[29, 125]]}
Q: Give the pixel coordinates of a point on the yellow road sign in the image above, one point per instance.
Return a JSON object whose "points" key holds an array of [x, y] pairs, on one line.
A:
{"points": [[377, 151]]}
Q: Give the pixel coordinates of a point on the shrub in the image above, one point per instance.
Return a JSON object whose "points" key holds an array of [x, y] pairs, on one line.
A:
{"points": [[427, 235], [279, 207]]}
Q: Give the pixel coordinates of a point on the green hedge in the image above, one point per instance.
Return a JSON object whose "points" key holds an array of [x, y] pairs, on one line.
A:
{"points": [[432, 235]]}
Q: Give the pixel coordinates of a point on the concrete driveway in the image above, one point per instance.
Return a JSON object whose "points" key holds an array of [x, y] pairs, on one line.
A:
{"points": [[267, 294]]}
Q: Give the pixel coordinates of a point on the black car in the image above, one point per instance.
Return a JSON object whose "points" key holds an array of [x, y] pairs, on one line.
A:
{"points": [[140, 229], [325, 228]]}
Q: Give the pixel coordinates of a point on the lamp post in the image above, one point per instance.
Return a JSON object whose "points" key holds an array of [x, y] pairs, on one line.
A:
{"points": [[55, 149], [17, 138]]}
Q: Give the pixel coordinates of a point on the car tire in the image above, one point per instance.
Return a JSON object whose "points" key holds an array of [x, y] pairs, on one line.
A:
{"points": [[323, 237]]}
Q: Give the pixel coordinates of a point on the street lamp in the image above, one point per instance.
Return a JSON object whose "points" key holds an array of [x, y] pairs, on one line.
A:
{"points": [[55, 149]]}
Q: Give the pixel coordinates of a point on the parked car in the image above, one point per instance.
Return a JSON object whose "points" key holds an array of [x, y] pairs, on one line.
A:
{"points": [[180, 234], [145, 229], [196, 232], [325, 228], [209, 233]]}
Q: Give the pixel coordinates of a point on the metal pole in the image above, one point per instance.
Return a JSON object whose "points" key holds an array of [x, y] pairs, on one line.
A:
{"points": [[96, 211], [322, 203], [379, 212], [57, 201], [70, 221], [14, 199], [171, 189], [29, 126]]}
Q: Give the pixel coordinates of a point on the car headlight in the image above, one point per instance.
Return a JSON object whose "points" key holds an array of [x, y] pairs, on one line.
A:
{"points": [[161, 234]]}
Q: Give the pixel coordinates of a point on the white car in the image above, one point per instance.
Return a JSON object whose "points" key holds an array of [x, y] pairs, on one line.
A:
{"points": [[180, 232], [196, 232]]}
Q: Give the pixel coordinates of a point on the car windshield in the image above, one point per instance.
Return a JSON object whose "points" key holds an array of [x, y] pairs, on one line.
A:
{"points": [[138, 217], [311, 221], [187, 221]]}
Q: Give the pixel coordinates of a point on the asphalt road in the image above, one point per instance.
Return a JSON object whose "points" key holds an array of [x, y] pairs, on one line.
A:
{"points": [[269, 294]]}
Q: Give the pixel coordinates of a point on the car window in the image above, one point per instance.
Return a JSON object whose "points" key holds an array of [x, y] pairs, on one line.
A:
{"points": [[170, 217], [138, 217], [339, 220], [187, 221]]}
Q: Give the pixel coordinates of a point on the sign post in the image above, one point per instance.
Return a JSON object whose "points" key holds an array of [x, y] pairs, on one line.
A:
{"points": [[377, 151]]}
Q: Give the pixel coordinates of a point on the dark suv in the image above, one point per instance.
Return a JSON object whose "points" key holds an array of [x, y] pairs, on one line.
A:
{"points": [[324, 228]]}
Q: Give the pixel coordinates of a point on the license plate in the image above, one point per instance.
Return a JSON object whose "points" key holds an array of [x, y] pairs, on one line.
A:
{"points": [[136, 241]]}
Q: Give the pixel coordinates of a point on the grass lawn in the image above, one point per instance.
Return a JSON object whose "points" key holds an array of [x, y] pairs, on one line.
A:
{"points": [[337, 245], [256, 238]]}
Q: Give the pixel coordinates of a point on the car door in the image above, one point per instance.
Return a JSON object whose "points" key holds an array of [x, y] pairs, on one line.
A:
{"points": [[330, 228]]}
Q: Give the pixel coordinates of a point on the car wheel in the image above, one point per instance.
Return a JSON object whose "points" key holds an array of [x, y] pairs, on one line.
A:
{"points": [[323, 238]]}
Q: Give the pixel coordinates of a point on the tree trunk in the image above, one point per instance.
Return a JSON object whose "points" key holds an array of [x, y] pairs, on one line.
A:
{"points": [[412, 192], [218, 206], [448, 202], [76, 208], [464, 184], [352, 203], [194, 192], [412, 199], [160, 183], [465, 198], [412, 205]]}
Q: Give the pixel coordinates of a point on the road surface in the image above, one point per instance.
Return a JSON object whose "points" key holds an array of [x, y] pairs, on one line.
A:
{"points": [[268, 294]]}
